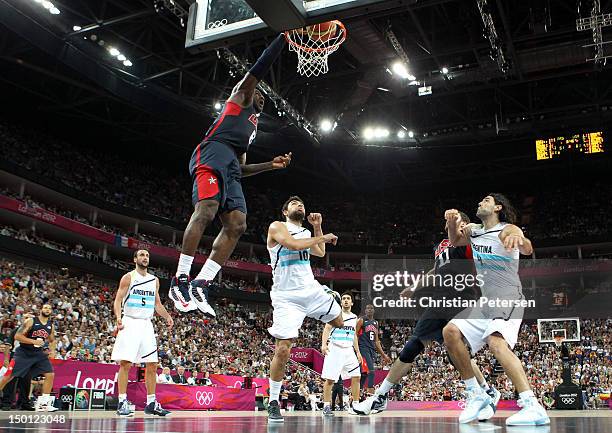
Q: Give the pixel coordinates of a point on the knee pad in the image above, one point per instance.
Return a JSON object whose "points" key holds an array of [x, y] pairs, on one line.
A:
{"points": [[411, 350]]}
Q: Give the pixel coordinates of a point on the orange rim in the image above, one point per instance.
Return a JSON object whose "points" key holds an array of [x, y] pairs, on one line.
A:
{"points": [[317, 50]]}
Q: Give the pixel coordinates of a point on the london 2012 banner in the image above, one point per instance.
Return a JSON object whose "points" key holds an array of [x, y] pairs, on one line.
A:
{"points": [[185, 397]]}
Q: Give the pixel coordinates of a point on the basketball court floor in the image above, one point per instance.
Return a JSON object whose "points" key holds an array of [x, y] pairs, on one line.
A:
{"points": [[297, 422]]}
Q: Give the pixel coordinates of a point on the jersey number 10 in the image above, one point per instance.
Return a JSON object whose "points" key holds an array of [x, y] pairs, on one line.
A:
{"points": [[303, 255]]}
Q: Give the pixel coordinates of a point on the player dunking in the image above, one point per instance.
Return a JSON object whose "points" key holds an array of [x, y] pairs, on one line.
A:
{"points": [[496, 245], [342, 357], [216, 167], [136, 301], [369, 344], [295, 292], [36, 337], [448, 261]]}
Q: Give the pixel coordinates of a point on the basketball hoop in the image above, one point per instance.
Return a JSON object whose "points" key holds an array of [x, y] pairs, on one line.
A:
{"points": [[558, 340], [314, 44]]}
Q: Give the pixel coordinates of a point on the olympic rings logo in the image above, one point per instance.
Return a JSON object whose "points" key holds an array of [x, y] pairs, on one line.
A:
{"points": [[568, 400], [461, 404], [204, 398], [217, 24], [66, 398]]}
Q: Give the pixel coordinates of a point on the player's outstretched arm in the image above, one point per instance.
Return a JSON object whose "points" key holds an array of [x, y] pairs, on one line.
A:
{"points": [[124, 285], [52, 343], [160, 309], [325, 338], [278, 234], [20, 335], [380, 350], [512, 237], [317, 220], [244, 90], [356, 348], [457, 236], [278, 163]]}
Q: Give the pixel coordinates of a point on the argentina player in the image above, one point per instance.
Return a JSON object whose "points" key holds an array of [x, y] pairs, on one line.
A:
{"points": [[135, 303], [496, 247], [295, 292]]}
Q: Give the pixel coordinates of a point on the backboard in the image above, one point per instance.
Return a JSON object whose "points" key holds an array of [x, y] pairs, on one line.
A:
{"points": [[216, 23], [567, 327]]}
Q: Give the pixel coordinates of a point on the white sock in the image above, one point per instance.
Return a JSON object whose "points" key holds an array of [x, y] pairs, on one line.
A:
{"points": [[122, 397], [44, 398], [384, 387], [150, 398], [209, 271], [484, 385], [526, 395], [274, 389], [184, 265], [471, 383]]}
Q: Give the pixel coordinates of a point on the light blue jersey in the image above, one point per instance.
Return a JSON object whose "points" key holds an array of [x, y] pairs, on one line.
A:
{"points": [[139, 302], [291, 269], [345, 336]]}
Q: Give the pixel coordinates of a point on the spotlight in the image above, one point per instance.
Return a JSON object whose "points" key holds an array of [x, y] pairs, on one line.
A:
{"points": [[127, 63], [401, 134], [76, 28], [217, 106], [411, 134], [445, 70], [400, 69], [368, 133], [54, 11], [121, 57], [113, 51], [326, 125], [47, 4], [381, 133]]}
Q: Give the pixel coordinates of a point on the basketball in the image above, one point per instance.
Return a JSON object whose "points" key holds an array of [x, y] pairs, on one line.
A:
{"points": [[322, 32]]}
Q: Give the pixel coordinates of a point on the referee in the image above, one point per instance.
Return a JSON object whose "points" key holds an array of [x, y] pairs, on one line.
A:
{"points": [[36, 344]]}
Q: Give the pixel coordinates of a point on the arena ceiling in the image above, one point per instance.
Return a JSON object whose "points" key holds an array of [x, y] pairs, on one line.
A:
{"points": [[534, 81]]}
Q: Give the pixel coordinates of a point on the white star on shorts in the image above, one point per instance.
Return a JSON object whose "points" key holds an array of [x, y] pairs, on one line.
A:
{"points": [[212, 180]]}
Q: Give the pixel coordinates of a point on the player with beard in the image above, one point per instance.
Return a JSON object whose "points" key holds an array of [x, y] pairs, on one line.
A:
{"points": [[448, 261], [136, 302], [217, 165], [496, 245], [295, 292], [36, 337]]}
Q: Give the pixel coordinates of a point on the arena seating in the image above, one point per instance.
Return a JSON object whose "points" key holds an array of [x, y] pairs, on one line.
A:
{"points": [[237, 343]]}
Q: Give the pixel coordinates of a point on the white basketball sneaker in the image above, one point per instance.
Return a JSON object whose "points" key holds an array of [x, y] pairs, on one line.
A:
{"points": [[532, 413], [476, 400], [365, 407], [489, 411]]}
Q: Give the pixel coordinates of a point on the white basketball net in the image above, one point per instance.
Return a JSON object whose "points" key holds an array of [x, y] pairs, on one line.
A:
{"points": [[312, 51]]}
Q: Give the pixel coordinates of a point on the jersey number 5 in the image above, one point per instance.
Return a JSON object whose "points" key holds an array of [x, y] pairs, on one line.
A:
{"points": [[143, 301]]}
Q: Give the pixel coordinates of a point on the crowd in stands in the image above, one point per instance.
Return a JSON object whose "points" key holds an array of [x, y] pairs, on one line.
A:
{"points": [[237, 342], [549, 214]]}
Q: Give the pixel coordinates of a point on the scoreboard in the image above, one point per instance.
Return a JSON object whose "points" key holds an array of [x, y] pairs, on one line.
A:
{"points": [[555, 147]]}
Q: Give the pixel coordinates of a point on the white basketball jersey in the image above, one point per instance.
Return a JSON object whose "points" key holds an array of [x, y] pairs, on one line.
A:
{"points": [[345, 336], [291, 269], [139, 302], [498, 267]]}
